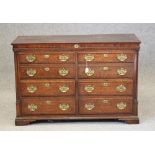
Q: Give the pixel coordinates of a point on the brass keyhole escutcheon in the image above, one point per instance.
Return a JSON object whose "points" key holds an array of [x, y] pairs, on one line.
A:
{"points": [[48, 102], [105, 68], [106, 84], [47, 85], [105, 101], [76, 45], [46, 56], [105, 55], [46, 69]]}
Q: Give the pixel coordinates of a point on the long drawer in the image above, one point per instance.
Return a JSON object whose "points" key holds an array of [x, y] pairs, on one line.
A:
{"points": [[47, 71], [106, 70], [47, 87], [47, 57], [50, 105], [105, 105], [106, 87], [105, 56]]}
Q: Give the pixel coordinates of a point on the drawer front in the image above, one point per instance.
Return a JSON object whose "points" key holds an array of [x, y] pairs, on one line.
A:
{"points": [[106, 87], [109, 70], [47, 71], [47, 87], [120, 56], [105, 105], [55, 105], [59, 57]]}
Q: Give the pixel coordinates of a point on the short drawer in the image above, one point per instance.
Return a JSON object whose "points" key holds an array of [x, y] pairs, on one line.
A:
{"points": [[106, 87], [54, 105], [105, 105], [47, 87], [106, 70], [47, 71], [104, 56], [55, 57]]}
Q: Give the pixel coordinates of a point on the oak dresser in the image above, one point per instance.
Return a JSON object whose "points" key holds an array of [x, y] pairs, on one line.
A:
{"points": [[76, 77]]}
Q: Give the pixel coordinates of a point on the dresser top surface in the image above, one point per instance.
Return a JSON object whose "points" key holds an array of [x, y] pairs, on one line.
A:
{"points": [[99, 38]]}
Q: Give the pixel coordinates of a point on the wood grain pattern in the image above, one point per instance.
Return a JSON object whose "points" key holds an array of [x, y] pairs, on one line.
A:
{"points": [[48, 105], [105, 104], [46, 71], [42, 102], [106, 56], [53, 57], [108, 70], [101, 38], [51, 90], [106, 87]]}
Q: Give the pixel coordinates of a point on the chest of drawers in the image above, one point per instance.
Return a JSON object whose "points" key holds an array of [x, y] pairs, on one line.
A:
{"points": [[76, 77]]}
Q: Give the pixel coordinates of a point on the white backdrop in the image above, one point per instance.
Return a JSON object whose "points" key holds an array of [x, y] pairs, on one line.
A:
{"points": [[145, 32]]}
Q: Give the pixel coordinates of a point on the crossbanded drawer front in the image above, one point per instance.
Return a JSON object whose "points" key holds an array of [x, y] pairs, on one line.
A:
{"points": [[47, 87], [119, 56], [108, 70], [55, 105], [47, 71], [59, 57], [105, 105], [106, 87]]}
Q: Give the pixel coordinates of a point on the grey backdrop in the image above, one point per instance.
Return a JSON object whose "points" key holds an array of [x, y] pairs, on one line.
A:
{"points": [[145, 32]]}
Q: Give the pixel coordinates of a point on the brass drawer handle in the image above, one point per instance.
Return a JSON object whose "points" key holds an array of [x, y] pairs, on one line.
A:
{"points": [[31, 72], [31, 89], [30, 58], [122, 57], [89, 57], [47, 85], [121, 71], [64, 106], [121, 105], [76, 45], [32, 107], [46, 69], [63, 89], [89, 106], [89, 88], [89, 72], [121, 88], [46, 56], [63, 72], [63, 57]]}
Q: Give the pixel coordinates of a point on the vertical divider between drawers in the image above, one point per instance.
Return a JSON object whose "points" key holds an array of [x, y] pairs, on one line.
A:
{"points": [[76, 84]]}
